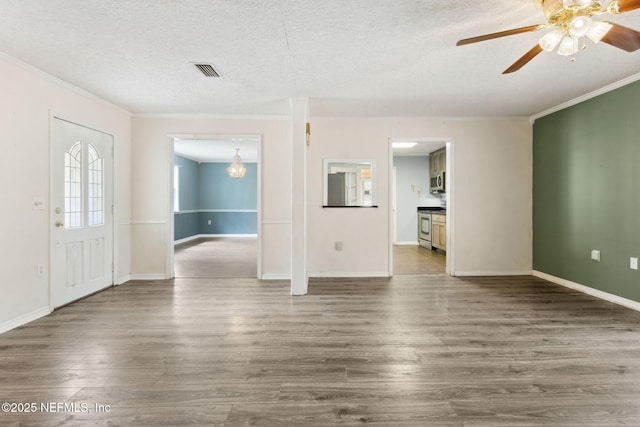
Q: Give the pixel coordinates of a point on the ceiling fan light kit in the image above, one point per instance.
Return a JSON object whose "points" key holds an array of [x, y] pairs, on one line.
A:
{"points": [[570, 21], [597, 30], [568, 46]]}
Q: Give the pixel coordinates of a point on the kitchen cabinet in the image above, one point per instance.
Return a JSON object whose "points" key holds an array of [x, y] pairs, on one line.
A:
{"points": [[439, 231], [437, 162]]}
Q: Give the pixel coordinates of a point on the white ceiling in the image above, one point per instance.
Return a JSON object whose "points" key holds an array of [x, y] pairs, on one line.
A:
{"points": [[218, 149], [422, 148], [350, 57]]}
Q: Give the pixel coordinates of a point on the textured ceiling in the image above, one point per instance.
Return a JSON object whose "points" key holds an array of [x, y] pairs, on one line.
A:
{"points": [[349, 57]]}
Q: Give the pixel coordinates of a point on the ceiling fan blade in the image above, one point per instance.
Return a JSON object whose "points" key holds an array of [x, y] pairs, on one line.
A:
{"points": [[501, 34], [524, 59], [622, 37], [628, 5]]}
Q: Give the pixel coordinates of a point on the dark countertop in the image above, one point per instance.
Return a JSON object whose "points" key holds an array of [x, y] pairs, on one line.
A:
{"points": [[432, 209]]}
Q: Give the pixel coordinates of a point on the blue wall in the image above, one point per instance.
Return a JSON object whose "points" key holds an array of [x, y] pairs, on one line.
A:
{"points": [[219, 191], [211, 202], [412, 176]]}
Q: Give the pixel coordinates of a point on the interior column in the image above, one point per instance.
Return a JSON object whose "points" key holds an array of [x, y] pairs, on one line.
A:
{"points": [[299, 277]]}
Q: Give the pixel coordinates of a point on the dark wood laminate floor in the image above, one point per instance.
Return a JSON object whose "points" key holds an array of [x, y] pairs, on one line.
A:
{"points": [[412, 350]]}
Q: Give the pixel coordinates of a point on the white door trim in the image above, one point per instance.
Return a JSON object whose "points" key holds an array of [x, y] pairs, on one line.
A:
{"points": [[170, 250], [450, 188], [50, 218]]}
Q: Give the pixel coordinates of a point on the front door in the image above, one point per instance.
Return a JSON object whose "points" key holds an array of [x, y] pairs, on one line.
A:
{"points": [[82, 217]]}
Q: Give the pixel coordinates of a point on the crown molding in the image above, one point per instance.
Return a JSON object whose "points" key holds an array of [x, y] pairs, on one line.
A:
{"points": [[586, 97], [209, 116], [64, 84]]}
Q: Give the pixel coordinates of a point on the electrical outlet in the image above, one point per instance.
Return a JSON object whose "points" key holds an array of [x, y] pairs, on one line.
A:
{"points": [[633, 263], [40, 270], [337, 246], [209, 222], [595, 255]]}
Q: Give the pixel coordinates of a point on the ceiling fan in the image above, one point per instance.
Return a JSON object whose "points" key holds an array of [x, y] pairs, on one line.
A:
{"points": [[571, 21]]}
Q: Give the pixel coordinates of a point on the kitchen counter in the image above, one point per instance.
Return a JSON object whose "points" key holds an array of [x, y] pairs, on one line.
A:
{"points": [[432, 210]]}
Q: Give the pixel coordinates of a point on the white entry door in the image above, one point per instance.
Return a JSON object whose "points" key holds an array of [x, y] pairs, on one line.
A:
{"points": [[82, 217]]}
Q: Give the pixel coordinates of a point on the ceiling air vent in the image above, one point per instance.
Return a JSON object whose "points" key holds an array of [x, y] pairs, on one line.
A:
{"points": [[208, 70]]}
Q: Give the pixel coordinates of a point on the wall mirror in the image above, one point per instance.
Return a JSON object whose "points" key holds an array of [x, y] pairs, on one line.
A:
{"points": [[349, 183]]}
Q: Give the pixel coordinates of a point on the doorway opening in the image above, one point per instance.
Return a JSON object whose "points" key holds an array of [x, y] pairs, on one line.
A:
{"points": [[215, 209], [420, 218]]}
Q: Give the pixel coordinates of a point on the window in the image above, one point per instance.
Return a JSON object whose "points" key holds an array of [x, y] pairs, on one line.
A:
{"points": [[176, 189], [73, 186], [95, 190], [83, 187]]}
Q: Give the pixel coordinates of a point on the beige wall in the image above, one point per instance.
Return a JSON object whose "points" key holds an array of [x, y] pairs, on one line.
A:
{"points": [[492, 184], [491, 215], [151, 154], [363, 231], [491, 204], [29, 99]]}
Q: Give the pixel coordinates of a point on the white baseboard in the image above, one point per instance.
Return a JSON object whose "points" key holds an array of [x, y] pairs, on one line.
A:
{"points": [[24, 319], [408, 243], [228, 235], [186, 239], [200, 236], [122, 279], [147, 276], [269, 276], [344, 274], [634, 305], [493, 273]]}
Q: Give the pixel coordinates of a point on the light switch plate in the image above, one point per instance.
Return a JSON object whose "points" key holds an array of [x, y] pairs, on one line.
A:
{"points": [[633, 263], [595, 255]]}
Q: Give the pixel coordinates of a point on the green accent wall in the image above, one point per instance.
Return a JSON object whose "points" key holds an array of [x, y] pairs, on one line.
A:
{"points": [[586, 192]]}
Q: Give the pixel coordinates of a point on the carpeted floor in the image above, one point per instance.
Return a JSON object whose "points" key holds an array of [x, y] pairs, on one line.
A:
{"points": [[217, 257]]}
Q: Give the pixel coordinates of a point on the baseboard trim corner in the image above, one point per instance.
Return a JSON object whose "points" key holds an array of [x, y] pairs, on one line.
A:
{"points": [[122, 279], [24, 319], [634, 305]]}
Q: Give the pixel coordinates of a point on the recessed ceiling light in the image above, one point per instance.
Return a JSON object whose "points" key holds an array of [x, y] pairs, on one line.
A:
{"points": [[404, 144]]}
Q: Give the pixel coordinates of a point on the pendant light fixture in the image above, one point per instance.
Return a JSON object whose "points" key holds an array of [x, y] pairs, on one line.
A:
{"points": [[236, 169]]}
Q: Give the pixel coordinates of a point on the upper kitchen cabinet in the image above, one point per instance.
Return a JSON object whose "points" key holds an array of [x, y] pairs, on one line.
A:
{"points": [[438, 162], [437, 169]]}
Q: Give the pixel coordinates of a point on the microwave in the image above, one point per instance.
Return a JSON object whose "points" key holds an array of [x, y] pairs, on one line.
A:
{"points": [[437, 183]]}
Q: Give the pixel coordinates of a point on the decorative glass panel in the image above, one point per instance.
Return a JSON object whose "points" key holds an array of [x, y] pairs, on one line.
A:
{"points": [[95, 188], [176, 189], [73, 186]]}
